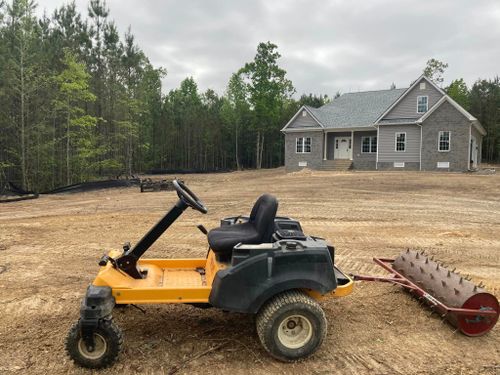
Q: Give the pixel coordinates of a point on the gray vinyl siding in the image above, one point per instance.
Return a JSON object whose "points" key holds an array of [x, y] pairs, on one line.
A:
{"points": [[306, 121], [360, 160], [387, 143], [407, 107], [314, 159], [479, 139]]}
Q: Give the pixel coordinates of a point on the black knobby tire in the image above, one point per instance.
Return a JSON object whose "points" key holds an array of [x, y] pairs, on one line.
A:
{"points": [[109, 342], [309, 326]]}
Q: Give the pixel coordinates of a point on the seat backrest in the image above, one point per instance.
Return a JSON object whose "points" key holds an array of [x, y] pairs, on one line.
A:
{"points": [[263, 215]]}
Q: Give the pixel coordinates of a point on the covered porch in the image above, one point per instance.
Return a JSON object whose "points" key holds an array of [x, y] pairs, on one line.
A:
{"points": [[345, 143], [349, 148]]}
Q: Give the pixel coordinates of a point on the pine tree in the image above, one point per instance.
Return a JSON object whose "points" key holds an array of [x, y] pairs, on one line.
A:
{"points": [[459, 92], [21, 77]]}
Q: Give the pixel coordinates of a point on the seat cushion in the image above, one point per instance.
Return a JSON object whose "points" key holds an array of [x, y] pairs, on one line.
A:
{"points": [[223, 239]]}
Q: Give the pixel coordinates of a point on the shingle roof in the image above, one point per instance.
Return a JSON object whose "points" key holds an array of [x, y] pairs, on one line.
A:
{"points": [[357, 109]]}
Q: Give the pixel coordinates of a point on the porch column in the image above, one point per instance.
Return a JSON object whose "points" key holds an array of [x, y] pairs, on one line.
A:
{"points": [[352, 143], [325, 145]]}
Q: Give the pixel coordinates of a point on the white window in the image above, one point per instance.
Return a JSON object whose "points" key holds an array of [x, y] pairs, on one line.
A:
{"points": [[300, 146], [422, 85], [304, 113], [444, 141], [307, 144], [422, 104], [302, 163], [368, 144], [400, 142], [303, 145], [399, 164], [443, 164]]}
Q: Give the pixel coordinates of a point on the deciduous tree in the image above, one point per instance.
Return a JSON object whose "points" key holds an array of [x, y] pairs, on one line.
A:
{"points": [[73, 94], [268, 89], [434, 70]]}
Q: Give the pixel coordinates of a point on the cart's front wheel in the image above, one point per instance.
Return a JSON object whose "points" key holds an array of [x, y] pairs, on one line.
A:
{"points": [[291, 326], [107, 345]]}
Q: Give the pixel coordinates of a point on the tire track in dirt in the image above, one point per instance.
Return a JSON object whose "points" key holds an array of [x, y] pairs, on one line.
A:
{"points": [[350, 361]]}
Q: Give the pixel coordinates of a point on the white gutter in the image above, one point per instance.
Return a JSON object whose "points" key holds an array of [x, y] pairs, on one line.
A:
{"points": [[301, 130]]}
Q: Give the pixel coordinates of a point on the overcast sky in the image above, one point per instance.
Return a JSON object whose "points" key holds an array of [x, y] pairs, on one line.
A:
{"points": [[325, 45]]}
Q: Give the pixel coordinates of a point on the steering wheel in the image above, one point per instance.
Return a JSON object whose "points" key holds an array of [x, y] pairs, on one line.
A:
{"points": [[188, 197]]}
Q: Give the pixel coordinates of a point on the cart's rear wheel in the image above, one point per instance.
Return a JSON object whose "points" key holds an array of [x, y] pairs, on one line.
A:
{"points": [[108, 343], [291, 326]]}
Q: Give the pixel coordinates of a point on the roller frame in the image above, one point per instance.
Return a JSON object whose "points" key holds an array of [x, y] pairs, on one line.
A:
{"points": [[398, 279]]}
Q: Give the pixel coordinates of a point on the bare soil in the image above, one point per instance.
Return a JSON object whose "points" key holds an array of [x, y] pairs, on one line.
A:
{"points": [[49, 249]]}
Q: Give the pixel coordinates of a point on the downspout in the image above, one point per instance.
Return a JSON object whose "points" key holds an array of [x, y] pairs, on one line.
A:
{"points": [[420, 161], [468, 154], [352, 144], [325, 134], [376, 156]]}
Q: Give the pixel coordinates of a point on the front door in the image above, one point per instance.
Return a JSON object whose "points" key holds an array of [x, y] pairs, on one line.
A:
{"points": [[342, 148]]}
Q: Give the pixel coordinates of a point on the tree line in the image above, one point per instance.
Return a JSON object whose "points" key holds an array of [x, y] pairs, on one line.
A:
{"points": [[79, 101]]}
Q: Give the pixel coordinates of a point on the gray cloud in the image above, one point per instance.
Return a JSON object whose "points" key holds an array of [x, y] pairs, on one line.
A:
{"points": [[326, 45]]}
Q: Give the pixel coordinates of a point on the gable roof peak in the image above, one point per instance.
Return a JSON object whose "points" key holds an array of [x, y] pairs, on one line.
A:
{"points": [[423, 76], [309, 110], [408, 90]]}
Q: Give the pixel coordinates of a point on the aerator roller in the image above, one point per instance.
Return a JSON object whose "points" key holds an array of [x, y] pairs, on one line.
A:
{"points": [[466, 306]]}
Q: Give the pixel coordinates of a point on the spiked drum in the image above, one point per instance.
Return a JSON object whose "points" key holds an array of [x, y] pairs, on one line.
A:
{"points": [[468, 307]]}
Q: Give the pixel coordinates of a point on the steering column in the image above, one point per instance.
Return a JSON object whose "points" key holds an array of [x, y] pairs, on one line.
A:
{"points": [[127, 262]]}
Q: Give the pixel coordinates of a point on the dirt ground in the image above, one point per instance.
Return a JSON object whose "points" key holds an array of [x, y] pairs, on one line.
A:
{"points": [[49, 249]]}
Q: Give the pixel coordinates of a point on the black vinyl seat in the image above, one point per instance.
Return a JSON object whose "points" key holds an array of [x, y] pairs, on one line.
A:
{"points": [[259, 228]]}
